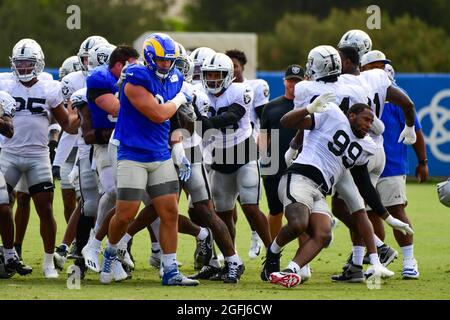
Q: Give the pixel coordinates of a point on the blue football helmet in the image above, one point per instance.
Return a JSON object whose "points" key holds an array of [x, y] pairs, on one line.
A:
{"points": [[160, 46]]}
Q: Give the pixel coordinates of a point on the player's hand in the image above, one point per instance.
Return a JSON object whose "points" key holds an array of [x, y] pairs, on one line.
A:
{"points": [[187, 112], [408, 134], [321, 103], [422, 172], [290, 156], [399, 225], [180, 160]]}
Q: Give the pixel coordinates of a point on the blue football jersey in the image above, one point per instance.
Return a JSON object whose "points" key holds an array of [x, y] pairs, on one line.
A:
{"points": [[100, 81], [140, 138]]}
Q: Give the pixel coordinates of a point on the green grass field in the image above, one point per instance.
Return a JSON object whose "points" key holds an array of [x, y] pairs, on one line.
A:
{"points": [[431, 222]]}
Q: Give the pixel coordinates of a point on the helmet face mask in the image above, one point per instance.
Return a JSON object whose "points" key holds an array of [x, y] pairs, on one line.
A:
{"points": [[160, 46], [217, 73], [184, 63], [27, 60]]}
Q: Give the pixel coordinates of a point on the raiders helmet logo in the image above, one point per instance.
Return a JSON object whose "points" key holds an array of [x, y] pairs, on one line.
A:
{"points": [[65, 90], [266, 92], [295, 70], [247, 98], [102, 58]]}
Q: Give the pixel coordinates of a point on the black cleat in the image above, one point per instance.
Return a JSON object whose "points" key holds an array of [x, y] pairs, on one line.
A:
{"points": [[351, 274], [14, 264], [386, 254], [206, 248], [271, 264], [205, 273], [234, 273]]}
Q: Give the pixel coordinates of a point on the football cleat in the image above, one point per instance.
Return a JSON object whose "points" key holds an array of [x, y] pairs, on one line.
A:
{"points": [[155, 259], [206, 248], [173, 277], [286, 278], [50, 272], [15, 265], [410, 270], [205, 273], [60, 257], [271, 264], [305, 273], [90, 256], [234, 273], [123, 255], [378, 271], [386, 254], [351, 274], [255, 246]]}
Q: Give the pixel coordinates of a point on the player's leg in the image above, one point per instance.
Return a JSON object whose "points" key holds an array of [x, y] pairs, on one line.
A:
{"points": [[249, 188], [275, 216], [68, 191], [22, 215], [40, 181]]}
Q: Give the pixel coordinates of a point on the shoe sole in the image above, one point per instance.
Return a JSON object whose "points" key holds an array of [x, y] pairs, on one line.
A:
{"points": [[287, 280], [390, 259]]}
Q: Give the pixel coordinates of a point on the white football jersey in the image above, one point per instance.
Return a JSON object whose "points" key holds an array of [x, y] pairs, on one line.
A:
{"points": [[83, 148], [362, 81], [332, 147], [9, 108], [241, 94], [32, 118], [11, 76], [202, 103], [379, 82], [346, 95], [261, 95], [71, 83]]}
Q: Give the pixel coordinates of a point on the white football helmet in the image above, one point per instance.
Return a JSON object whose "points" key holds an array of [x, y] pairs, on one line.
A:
{"points": [[219, 62], [323, 61], [27, 60], [99, 55], [443, 189], [390, 71], [87, 45], [71, 64], [357, 39], [198, 56], [184, 63]]}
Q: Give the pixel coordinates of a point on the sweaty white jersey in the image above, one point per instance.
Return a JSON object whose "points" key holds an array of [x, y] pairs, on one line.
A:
{"points": [[373, 95], [202, 103], [11, 76], [332, 147], [71, 83], [346, 95], [32, 118], [261, 95], [379, 82], [9, 108], [238, 93]]}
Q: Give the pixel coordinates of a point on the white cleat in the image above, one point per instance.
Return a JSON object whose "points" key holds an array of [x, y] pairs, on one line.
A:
{"points": [[90, 256], [155, 259], [255, 246], [410, 270], [123, 255], [379, 271], [305, 273], [50, 272]]}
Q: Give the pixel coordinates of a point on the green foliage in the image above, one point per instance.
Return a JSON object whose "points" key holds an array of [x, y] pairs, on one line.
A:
{"points": [[411, 44], [119, 21]]}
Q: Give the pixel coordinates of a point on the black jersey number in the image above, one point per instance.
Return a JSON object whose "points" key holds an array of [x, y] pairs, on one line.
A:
{"points": [[28, 104], [340, 143], [344, 105]]}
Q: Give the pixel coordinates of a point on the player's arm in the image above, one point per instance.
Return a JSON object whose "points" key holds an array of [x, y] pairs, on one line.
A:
{"points": [[6, 126], [67, 118], [146, 103], [234, 113], [421, 154], [401, 99], [362, 180], [105, 100], [91, 135]]}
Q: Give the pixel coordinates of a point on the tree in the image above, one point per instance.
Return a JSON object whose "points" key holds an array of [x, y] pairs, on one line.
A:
{"points": [[119, 21], [424, 50]]}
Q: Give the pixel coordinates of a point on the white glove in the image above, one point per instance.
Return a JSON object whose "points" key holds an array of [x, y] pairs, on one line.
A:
{"points": [[320, 104], [73, 175], [290, 156], [399, 225], [180, 160], [181, 98], [409, 134]]}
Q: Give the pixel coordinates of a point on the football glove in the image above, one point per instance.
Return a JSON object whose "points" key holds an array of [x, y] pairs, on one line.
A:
{"points": [[180, 160], [321, 103], [399, 225], [408, 134], [290, 156]]}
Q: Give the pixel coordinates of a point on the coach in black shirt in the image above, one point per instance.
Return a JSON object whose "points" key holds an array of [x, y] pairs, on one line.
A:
{"points": [[273, 111]]}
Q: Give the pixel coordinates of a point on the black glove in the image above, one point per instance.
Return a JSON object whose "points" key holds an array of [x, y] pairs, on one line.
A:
{"points": [[52, 144], [56, 173]]}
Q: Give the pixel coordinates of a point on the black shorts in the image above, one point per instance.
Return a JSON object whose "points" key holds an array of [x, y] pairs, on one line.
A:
{"points": [[271, 187]]}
